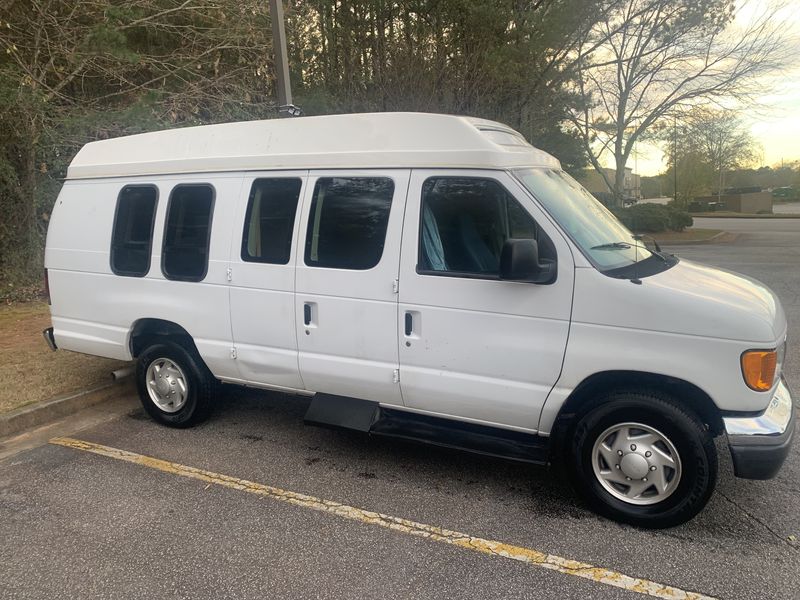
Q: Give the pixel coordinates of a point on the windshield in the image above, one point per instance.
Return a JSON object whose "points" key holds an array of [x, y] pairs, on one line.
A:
{"points": [[601, 237]]}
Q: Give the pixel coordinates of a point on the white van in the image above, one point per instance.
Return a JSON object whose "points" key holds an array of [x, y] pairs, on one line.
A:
{"points": [[424, 276]]}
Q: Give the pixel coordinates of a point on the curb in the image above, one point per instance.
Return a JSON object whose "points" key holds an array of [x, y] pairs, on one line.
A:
{"points": [[723, 237], [746, 216], [39, 413]]}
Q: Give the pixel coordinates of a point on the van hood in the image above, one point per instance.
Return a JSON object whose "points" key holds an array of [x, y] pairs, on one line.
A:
{"points": [[692, 299]]}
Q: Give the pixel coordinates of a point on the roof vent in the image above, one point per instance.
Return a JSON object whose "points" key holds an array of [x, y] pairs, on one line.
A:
{"points": [[504, 137]]}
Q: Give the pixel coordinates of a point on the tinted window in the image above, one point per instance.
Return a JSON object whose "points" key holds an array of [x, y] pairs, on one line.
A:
{"points": [[466, 221], [269, 222], [132, 236], [186, 239], [348, 220]]}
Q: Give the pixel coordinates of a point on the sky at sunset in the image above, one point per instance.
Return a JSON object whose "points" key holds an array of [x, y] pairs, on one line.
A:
{"points": [[775, 121]]}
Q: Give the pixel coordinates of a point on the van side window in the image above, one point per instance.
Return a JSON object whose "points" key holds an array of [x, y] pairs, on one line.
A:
{"points": [[464, 223], [269, 222], [188, 232], [348, 221], [132, 236]]}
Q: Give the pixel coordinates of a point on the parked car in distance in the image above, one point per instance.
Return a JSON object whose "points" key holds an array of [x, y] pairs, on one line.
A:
{"points": [[786, 193], [423, 276]]}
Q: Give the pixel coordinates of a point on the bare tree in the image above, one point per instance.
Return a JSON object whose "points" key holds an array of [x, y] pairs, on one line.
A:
{"points": [[652, 58], [61, 61], [722, 140], [704, 145]]}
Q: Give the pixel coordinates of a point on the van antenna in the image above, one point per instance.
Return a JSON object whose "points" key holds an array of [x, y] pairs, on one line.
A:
{"points": [[635, 278]]}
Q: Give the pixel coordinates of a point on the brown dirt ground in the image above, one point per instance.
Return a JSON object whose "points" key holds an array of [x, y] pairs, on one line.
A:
{"points": [[30, 371]]}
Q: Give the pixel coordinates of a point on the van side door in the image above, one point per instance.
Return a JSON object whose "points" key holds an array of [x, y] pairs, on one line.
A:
{"points": [[347, 269], [474, 346], [262, 279], [187, 283]]}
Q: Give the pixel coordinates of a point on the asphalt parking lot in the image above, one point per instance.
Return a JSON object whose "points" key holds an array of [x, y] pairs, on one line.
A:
{"points": [[83, 520]]}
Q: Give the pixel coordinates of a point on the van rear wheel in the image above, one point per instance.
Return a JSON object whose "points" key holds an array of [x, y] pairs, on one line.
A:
{"points": [[641, 458], [174, 385]]}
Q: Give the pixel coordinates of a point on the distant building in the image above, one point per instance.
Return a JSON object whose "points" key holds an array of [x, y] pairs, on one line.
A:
{"points": [[594, 182], [742, 201]]}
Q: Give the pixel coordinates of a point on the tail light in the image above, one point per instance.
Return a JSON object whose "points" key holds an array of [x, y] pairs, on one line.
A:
{"points": [[47, 286]]}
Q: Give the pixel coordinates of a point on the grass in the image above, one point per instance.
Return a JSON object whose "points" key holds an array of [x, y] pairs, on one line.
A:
{"points": [[30, 371], [688, 235]]}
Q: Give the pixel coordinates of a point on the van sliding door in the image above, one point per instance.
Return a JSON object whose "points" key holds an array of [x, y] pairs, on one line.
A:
{"points": [[347, 268]]}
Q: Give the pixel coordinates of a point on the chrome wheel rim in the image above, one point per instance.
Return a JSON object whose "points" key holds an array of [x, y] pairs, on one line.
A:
{"points": [[636, 463], [167, 386]]}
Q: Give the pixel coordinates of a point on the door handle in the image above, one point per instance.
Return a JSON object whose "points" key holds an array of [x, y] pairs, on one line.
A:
{"points": [[307, 314], [409, 323]]}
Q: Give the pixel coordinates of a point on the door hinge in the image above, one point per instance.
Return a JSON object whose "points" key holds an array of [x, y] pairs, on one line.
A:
{"points": [[233, 352], [396, 376], [230, 274], [396, 286]]}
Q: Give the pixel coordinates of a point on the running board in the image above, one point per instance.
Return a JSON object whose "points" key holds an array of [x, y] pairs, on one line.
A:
{"points": [[367, 416]]}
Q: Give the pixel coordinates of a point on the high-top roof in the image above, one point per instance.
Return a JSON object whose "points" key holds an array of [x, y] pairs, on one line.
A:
{"points": [[337, 141]]}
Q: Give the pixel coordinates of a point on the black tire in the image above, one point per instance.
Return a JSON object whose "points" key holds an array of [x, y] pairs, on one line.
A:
{"points": [[201, 385], [686, 432]]}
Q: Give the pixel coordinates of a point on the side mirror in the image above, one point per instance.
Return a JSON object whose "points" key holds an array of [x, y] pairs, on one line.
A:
{"points": [[519, 261]]}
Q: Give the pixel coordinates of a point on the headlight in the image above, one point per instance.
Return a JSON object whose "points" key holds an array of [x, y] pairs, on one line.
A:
{"points": [[759, 368]]}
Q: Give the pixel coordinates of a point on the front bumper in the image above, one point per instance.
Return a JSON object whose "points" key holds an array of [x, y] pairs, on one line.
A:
{"points": [[760, 444]]}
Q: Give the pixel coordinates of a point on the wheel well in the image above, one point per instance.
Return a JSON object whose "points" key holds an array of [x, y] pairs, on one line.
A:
{"points": [[147, 331], [583, 399]]}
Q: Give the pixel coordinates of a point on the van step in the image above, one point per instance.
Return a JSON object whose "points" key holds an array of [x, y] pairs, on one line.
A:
{"points": [[449, 433], [342, 412]]}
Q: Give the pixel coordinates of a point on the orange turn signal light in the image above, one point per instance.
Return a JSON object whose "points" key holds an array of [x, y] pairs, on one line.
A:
{"points": [[758, 368]]}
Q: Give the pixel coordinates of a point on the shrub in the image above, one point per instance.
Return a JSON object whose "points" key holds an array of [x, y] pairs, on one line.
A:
{"points": [[679, 219], [654, 218]]}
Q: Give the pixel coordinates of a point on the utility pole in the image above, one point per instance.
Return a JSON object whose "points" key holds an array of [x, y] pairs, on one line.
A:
{"points": [[675, 158], [285, 106], [721, 165]]}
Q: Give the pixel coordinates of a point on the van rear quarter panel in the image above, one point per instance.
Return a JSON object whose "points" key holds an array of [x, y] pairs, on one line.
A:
{"points": [[94, 310]]}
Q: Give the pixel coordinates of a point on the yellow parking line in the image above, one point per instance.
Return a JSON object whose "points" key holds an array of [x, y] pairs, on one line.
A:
{"points": [[454, 538]]}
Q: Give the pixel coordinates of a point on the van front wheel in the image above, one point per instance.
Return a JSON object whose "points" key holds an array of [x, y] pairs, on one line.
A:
{"points": [[175, 387], [641, 458]]}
